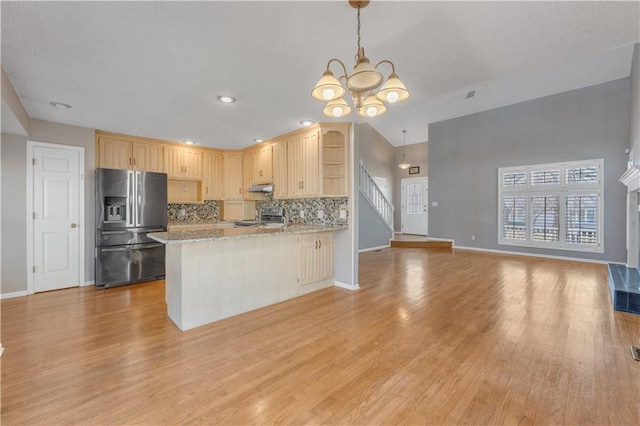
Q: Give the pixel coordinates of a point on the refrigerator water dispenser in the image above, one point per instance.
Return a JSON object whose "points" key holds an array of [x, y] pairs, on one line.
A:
{"points": [[115, 210]]}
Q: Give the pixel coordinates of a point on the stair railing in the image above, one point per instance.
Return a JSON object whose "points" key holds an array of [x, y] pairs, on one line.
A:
{"points": [[376, 197]]}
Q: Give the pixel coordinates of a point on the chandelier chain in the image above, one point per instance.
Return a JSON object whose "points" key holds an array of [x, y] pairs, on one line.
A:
{"points": [[358, 51]]}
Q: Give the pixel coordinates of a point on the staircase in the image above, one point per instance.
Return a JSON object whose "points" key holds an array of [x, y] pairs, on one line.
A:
{"points": [[384, 209], [376, 197]]}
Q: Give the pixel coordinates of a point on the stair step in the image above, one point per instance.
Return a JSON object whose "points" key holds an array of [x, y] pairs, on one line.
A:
{"points": [[421, 244]]}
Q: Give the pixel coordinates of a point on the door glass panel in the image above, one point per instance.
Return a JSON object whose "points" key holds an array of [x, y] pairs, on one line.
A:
{"points": [[414, 198]]}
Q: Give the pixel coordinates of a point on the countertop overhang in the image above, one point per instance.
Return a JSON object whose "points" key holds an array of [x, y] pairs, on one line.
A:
{"points": [[204, 235]]}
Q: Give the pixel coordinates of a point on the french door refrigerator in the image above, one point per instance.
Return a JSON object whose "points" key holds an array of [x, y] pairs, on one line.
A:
{"points": [[129, 204]]}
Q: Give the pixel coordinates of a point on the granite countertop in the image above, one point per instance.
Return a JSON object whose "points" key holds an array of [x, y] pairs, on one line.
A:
{"points": [[203, 235]]}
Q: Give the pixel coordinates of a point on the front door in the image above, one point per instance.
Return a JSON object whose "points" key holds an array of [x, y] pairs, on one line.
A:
{"points": [[56, 216], [415, 219]]}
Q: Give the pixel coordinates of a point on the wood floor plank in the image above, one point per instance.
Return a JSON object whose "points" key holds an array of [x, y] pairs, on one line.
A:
{"points": [[434, 336]]}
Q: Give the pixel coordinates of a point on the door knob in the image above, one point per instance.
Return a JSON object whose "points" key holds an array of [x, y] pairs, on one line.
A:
{"points": [[73, 225]]}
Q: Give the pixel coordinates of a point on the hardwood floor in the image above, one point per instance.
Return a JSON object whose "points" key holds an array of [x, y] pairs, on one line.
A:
{"points": [[434, 336]]}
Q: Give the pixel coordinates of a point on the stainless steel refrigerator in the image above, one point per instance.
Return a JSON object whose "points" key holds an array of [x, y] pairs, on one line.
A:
{"points": [[129, 204]]}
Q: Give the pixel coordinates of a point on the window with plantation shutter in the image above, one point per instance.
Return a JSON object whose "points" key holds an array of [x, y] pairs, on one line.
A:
{"points": [[552, 205], [514, 217]]}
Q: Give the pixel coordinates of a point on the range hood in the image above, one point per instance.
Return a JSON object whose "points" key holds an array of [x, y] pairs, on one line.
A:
{"points": [[265, 187]]}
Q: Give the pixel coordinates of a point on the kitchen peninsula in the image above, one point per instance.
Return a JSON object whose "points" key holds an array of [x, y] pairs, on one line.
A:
{"points": [[213, 274]]}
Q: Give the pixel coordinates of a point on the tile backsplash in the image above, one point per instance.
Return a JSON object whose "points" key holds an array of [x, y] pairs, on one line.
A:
{"points": [[311, 206], [207, 212]]}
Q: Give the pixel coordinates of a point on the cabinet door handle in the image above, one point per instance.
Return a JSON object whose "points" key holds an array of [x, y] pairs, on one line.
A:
{"points": [[207, 189], [134, 161], [129, 160], [240, 190], [316, 244], [319, 244]]}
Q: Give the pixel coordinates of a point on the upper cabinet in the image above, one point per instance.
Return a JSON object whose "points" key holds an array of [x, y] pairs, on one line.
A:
{"points": [[233, 176], [335, 160], [247, 174], [263, 165], [303, 165], [122, 153], [280, 173], [212, 176], [310, 162], [148, 157], [182, 163]]}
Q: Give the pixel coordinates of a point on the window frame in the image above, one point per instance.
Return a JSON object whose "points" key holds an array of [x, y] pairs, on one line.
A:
{"points": [[562, 190]]}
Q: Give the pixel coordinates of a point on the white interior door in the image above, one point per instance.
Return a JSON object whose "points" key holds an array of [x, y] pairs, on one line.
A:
{"points": [[56, 201], [414, 200]]}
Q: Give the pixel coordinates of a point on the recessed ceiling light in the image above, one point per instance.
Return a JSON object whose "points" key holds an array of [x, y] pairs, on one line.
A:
{"points": [[60, 105], [306, 123], [258, 140], [226, 99], [188, 142]]}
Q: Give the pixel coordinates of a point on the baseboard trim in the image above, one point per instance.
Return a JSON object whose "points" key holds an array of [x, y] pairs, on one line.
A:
{"points": [[374, 248], [12, 295], [88, 283], [346, 286], [544, 256]]}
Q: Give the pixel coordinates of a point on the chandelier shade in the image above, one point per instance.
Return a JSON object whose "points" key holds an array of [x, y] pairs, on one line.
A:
{"points": [[328, 88], [337, 108], [372, 107], [360, 84], [393, 91], [364, 76]]}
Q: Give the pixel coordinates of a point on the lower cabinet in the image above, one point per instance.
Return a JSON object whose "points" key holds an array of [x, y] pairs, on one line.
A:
{"points": [[316, 257]]}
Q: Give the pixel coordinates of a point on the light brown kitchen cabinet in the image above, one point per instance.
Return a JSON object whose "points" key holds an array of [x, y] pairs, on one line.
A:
{"points": [[212, 176], [182, 163], [233, 176], [335, 160], [279, 152], [316, 257], [262, 165], [116, 153], [303, 165], [148, 157], [247, 174]]}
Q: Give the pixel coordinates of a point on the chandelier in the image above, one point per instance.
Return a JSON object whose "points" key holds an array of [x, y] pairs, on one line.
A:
{"points": [[404, 164], [361, 84]]}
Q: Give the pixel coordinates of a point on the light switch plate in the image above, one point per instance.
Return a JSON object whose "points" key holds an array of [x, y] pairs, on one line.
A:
{"points": [[320, 214], [434, 204], [302, 213], [343, 214]]}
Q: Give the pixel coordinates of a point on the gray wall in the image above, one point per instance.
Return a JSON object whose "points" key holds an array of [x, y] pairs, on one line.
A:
{"points": [[373, 230], [417, 155], [635, 105], [465, 153], [14, 214], [377, 155]]}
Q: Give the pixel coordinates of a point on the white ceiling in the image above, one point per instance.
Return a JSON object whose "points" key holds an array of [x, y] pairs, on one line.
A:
{"points": [[155, 68]]}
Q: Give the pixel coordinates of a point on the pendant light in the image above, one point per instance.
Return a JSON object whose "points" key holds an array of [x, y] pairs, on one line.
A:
{"points": [[360, 85], [404, 165]]}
